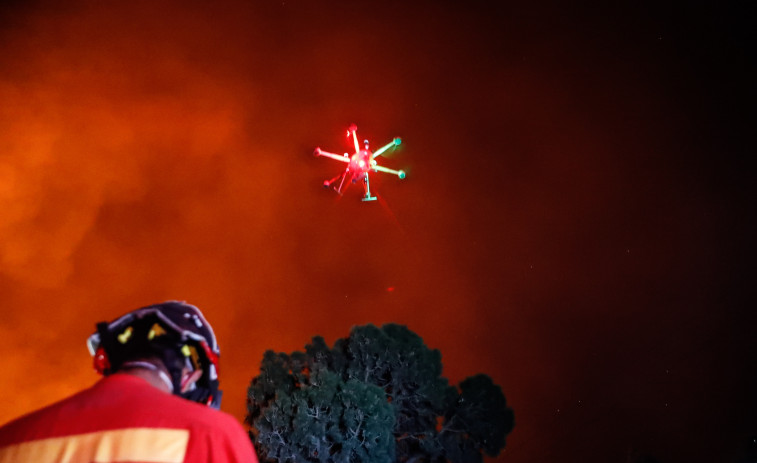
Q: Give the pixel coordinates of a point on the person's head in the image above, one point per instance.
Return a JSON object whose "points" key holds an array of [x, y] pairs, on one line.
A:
{"points": [[173, 338]]}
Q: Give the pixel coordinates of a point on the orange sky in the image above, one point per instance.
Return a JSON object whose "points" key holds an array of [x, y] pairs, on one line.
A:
{"points": [[553, 230]]}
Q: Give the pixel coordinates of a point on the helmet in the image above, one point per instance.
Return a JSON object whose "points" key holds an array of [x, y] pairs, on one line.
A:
{"points": [[175, 332]]}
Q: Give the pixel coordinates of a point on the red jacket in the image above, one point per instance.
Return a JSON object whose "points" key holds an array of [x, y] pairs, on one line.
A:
{"points": [[122, 418]]}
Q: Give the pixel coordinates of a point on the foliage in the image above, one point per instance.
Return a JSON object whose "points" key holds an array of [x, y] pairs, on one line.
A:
{"points": [[377, 396]]}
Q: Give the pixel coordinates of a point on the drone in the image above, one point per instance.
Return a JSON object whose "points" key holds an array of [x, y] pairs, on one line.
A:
{"points": [[359, 164]]}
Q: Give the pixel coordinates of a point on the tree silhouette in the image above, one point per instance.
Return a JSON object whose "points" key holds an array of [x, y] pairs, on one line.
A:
{"points": [[377, 396]]}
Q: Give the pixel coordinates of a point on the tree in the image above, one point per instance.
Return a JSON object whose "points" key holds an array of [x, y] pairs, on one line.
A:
{"points": [[377, 396]]}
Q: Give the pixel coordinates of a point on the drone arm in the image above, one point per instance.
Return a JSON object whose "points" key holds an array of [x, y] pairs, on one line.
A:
{"points": [[353, 129], [338, 157], [398, 173], [391, 144]]}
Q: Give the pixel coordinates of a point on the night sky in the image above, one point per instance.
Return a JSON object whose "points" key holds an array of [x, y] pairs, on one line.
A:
{"points": [[577, 219]]}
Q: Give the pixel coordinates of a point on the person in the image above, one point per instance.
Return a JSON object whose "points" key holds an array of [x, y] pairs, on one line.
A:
{"points": [[157, 402]]}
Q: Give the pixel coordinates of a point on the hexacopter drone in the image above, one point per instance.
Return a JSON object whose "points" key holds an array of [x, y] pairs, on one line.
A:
{"points": [[359, 164]]}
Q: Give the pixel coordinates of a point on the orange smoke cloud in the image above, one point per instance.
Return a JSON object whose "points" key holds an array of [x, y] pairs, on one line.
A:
{"points": [[86, 116]]}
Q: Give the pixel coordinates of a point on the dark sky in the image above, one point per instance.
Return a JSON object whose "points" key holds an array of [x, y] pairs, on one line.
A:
{"points": [[577, 220]]}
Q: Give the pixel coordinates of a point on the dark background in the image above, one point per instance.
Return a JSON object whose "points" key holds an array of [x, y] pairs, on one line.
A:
{"points": [[577, 220]]}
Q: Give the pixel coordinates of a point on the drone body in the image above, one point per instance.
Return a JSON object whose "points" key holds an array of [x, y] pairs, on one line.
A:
{"points": [[359, 164]]}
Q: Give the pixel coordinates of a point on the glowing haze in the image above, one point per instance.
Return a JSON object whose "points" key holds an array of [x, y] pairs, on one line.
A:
{"points": [[163, 150]]}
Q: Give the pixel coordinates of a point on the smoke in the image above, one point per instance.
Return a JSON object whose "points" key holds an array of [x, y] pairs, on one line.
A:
{"points": [[92, 109]]}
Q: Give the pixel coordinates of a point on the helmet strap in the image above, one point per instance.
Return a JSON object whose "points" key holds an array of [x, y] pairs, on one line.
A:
{"points": [[174, 363]]}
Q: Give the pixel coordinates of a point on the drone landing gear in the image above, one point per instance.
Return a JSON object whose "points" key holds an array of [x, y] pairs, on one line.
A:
{"points": [[367, 196], [339, 177]]}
